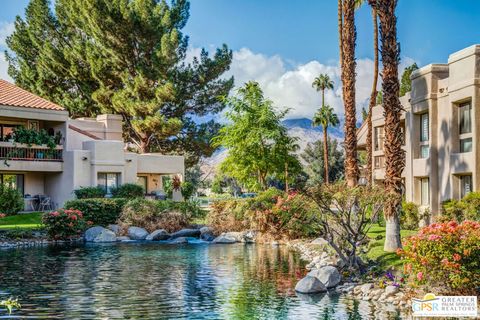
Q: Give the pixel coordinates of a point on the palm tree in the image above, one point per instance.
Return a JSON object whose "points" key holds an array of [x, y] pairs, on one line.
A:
{"points": [[322, 83], [373, 95], [347, 35], [394, 155], [325, 117]]}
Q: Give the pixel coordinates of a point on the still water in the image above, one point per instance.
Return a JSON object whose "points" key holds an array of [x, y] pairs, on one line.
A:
{"points": [[162, 281]]}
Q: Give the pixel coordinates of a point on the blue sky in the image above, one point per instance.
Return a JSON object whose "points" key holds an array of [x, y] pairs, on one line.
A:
{"points": [[284, 43]]}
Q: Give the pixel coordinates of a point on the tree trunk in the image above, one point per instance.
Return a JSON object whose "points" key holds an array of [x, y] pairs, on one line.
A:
{"points": [[286, 177], [373, 98], [394, 155], [144, 146], [323, 97], [325, 153], [348, 81]]}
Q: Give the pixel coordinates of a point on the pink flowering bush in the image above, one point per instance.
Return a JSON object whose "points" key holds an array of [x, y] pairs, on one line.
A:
{"points": [[64, 224], [447, 254], [2, 215]]}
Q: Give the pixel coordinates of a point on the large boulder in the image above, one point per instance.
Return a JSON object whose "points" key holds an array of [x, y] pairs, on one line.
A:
{"points": [[180, 240], [158, 235], [328, 275], [186, 233], [225, 238], [136, 233], [206, 234], [115, 228], [124, 239], [310, 284], [249, 236], [99, 234]]}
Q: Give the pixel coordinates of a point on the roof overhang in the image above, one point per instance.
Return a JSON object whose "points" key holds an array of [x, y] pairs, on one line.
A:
{"points": [[33, 113]]}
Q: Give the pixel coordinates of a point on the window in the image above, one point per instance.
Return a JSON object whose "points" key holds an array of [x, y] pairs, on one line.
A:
{"points": [[6, 131], [465, 185], [13, 181], [379, 162], [107, 181], [424, 151], [466, 145], [424, 127], [142, 181], [424, 191], [379, 137], [465, 111]]}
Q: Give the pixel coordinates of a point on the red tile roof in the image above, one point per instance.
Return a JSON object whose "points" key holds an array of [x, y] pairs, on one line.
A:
{"points": [[11, 95]]}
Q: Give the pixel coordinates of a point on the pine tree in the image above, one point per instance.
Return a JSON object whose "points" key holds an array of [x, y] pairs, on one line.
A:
{"points": [[126, 57]]}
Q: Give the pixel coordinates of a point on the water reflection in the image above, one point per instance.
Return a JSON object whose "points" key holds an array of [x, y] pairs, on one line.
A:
{"points": [[160, 281]]}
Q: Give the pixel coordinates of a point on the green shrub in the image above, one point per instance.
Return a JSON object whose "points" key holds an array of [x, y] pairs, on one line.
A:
{"points": [[64, 224], [410, 216], [187, 189], [154, 214], [89, 193], [11, 201], [101, 211], [445, 254], [128, 191], [460, 210]]}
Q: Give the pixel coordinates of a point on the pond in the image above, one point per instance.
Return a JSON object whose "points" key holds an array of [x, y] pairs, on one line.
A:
{"points": [[162, 281]]}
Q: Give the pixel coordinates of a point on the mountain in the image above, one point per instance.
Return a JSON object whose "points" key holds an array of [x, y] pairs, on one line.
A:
{"points": [[301, 128]]}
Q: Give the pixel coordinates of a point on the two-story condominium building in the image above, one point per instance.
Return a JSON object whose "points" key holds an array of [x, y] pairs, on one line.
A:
{"points": [[441, 132], [90, 151]]}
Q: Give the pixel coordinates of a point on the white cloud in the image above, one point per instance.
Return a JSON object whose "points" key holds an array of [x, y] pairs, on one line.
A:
{"points": [[6, 29], [3, 68]]}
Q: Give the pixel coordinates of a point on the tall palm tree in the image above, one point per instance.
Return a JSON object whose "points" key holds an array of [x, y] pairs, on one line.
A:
{"points": [[394, 155], [347, 36], [373, 95], [325, 117], [322, 83]]}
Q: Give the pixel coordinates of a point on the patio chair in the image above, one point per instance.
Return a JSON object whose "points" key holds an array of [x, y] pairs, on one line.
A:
{"points": [[45, 203]]}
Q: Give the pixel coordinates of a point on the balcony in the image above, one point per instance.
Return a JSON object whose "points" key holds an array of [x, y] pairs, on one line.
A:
{"points": [[22, 157]]}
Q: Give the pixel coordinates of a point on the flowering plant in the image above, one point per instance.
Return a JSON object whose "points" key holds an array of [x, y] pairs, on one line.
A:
{"points": [[64, 223], [2, 215], [391, 280], [444, 252]]}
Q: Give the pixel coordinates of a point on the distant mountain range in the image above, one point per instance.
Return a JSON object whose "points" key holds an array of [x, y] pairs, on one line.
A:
{"points": [[301, 128]]}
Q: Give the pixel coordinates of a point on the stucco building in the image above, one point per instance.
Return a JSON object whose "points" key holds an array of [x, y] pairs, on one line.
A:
{"points": [[90, 151], [441, 128]]}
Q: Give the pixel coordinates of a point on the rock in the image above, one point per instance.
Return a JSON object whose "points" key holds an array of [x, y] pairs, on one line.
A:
{"points": [[310, 284], [206, 234], [186, 233], [328, 275], [274, 243], [320, 241], [225, 238], [249, 236], [123, 239], [180, 240], [157, 235], [391, 290], [99, 234], [365, 288], [114, 227], [136, 233]]}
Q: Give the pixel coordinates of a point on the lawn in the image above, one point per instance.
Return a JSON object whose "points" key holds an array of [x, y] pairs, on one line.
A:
{"points": [[385, 259], [24, 221]]}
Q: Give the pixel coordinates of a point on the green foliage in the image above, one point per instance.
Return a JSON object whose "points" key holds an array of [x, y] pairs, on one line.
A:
{"points": [[11, 201], [217, 185], [445, 254], [34, 137], [325, 117], [153, 214], [128, 191], [89, 193], [460, 210], [313, 157], [123, 57], [406, 83], [258, 144], [10, 304], [18, 234], [272, 212], [64, 224], [187, 189], [101, 211], [410, 216]]}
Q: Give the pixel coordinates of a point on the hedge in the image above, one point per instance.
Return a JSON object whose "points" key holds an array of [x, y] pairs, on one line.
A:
{"points": [[100, 211]]}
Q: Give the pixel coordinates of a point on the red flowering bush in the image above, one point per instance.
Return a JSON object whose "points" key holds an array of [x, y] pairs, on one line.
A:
{"points": [[2, 215], [64, 224], [444, 253]]}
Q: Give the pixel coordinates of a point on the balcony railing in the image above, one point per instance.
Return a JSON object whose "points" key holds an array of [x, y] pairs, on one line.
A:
{"points": [[17, 151]]}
